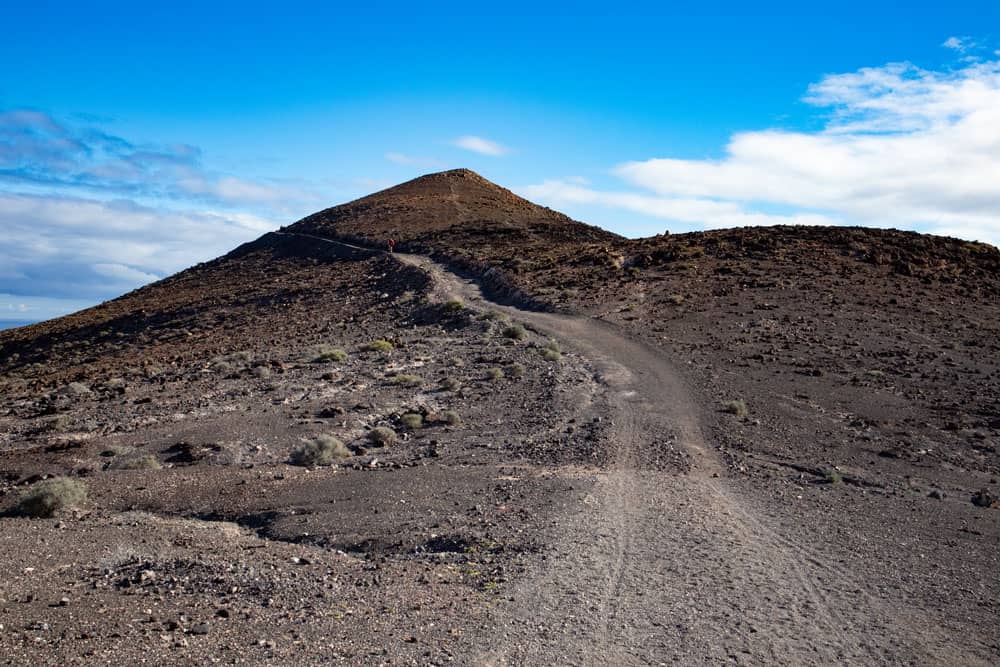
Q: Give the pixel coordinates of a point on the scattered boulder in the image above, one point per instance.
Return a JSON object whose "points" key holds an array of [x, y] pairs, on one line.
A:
{"points": [[76, 389], [983, 498]]}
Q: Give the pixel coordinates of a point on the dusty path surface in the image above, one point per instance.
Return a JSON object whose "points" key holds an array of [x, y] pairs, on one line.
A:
{"points": [[666, 564]]}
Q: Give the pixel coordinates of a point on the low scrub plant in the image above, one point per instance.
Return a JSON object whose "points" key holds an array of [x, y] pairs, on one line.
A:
{"points": [[515, 332], [737, 407], [449, 384], [404, 380], [494, 374], [412, 421], [550, 351], [134, 462], [454, 306], [493, 316], [516, 370], [451, 417], [327, 354], [319, 451], [379, 346], [380, 436], [551, 355], [45, 499]]}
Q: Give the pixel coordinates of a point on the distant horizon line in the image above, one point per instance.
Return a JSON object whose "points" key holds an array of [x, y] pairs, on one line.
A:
{"points": [[15, 324]]}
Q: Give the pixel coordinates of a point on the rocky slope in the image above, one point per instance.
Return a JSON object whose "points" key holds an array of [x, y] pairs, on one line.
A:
{"points": [[827, 401]]}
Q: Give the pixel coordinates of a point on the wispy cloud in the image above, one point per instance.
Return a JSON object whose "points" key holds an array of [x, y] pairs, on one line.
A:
{"points": [[901, 146], [38, 150], [73, 248], [693, 210], [960, 44], [481, 145], [88, 215]]}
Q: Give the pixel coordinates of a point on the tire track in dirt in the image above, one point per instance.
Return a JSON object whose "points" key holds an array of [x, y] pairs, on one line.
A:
{"points": [[671, 566]]}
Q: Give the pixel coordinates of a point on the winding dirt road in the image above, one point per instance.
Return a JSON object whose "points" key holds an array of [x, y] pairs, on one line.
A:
{"points": [[659, 567]]}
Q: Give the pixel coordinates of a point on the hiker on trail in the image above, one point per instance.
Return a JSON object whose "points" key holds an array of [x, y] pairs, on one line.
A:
{"points": [[391, 244]]}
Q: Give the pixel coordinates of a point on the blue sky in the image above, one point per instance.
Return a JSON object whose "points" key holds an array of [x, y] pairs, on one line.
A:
{"points": [[136, 140]]}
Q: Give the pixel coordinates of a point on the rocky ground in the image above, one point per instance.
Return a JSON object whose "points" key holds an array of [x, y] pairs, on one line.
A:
{"points": [[200, 539], [754, 446]]}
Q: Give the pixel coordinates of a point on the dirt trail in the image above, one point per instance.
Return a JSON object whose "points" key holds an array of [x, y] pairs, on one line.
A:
{"points": [[665, 567]]}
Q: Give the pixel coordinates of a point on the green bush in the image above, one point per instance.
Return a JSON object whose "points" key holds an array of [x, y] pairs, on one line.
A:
{"points": [[516, 370], [451, 417], [381, 436], [135, 462], [404, 380], [737, 407], [379, 346], [494, 374], [493, 316], [412, 421], [45, 499], [319, 451], [328, 354], [454, 306], [515, 331], [449, 384], [550, 355]]}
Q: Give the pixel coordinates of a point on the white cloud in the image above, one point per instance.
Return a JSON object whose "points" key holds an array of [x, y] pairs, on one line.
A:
{"points": [[481, 145], [694, 210], [125, 273], [901, 146], [38, 151], [95, 215], [960, 44], [77, 248]]}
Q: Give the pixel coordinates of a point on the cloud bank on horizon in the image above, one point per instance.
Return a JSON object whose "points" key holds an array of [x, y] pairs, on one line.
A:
{"points": [[88, 215], [900, 146]]}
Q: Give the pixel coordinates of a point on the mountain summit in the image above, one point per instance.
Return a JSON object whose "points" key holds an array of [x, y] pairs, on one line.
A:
{"points": [[449, 207]]}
